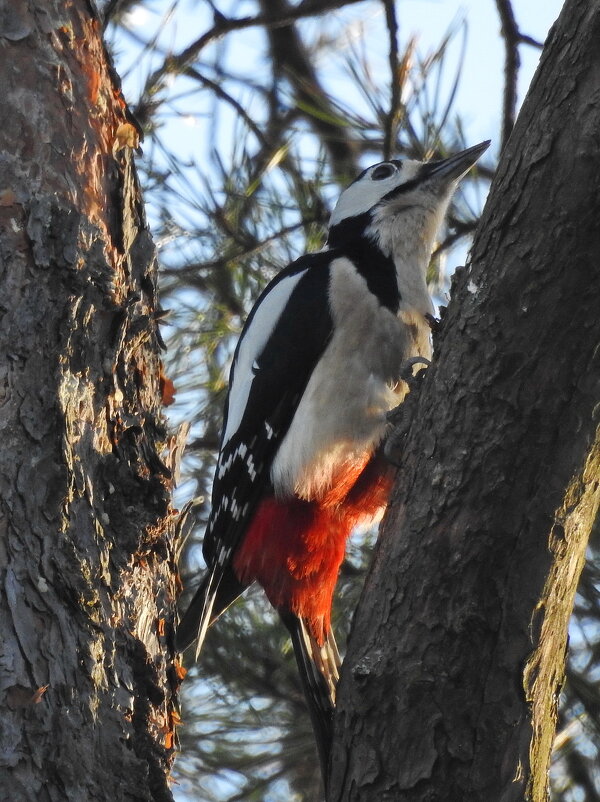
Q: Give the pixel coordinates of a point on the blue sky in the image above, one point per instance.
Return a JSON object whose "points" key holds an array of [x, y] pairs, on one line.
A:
{"points": [[480, 89], [186, 123]]}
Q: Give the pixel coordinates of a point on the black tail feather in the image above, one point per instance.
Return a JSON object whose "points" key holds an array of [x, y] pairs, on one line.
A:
{"points": [[318, 667], [212, 598]]}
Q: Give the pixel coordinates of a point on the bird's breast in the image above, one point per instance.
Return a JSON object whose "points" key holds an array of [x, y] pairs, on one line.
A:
{"points": [[341, 417]]}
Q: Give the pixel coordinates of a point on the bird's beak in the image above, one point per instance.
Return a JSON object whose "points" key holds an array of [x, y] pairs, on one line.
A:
{"points": [[456, 166]]}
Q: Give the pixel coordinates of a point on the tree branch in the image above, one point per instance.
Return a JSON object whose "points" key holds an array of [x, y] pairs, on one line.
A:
{"points": [[224, 25], [392, 118], [290, 60], [512, 62]]}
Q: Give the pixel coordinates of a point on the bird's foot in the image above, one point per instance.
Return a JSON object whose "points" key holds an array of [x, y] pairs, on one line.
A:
{"points": [[434, 323], [406, 371], [398, 430], [397, 417]]}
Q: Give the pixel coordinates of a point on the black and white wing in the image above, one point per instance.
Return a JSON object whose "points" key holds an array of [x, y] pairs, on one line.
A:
{"points": [[284, 336]]}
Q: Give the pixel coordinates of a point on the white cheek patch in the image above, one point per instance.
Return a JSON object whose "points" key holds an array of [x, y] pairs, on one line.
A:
{"points": [[366, 193], [251, 346]]}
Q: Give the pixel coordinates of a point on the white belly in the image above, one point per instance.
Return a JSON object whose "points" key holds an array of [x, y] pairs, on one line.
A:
{"points": [[342, 413]]}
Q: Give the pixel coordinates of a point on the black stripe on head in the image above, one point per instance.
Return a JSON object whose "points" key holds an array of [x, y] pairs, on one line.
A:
{"points": [[408, 185], [352, 228]]}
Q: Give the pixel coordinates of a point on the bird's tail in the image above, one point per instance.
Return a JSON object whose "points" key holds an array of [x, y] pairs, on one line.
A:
{"points": [[217, 591], [319, 672]]}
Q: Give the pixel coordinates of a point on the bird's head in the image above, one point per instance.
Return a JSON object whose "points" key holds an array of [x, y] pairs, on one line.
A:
{"points": [[409, 195]]}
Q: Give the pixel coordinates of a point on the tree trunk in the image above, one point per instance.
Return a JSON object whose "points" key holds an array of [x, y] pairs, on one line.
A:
{"points": [[456, 659], [86, 531]]}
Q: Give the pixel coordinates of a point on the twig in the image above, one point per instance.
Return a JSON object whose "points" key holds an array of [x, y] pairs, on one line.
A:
{"points": [[191, 72], [391, 122], [224, 25], [197, 268], [529, 40], [290, 59], [512, 62]]}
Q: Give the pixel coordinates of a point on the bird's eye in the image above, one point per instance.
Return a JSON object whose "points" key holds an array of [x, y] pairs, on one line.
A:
{"points": [[383, 171]]}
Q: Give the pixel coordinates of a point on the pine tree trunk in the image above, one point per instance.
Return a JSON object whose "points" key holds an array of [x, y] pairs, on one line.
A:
{"points": [[86, 530], [456, 659]]}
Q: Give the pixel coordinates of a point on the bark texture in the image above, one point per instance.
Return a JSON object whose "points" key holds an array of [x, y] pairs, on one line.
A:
{"points": [[455, 663], [86, 530]]}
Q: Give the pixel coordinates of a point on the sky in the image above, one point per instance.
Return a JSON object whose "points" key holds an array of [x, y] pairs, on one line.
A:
{"points": [[480, 90], [480, 87], [479, 97]]}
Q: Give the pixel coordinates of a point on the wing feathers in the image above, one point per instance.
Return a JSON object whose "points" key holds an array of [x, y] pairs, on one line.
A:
{"points": [[256, 333], [269, 395], [206, 606]]}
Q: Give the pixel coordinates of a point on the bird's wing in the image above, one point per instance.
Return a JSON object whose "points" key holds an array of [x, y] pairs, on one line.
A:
{"points": [[284, 336]]}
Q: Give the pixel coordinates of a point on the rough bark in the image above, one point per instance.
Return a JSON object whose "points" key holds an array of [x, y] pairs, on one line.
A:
{"points": [[86, 530], [456, 659]]}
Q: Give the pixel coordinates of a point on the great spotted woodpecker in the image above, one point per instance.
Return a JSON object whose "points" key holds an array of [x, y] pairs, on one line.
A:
{"points": [[316, 370]]}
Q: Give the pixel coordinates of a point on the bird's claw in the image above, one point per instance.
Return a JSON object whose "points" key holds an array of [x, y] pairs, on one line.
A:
{"points": [[399, 427], [396, 417], [406, 369], [434, 323]]}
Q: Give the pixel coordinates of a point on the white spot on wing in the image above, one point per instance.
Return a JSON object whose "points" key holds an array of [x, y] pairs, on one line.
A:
{"points": [[251, 346], [225, 465]]}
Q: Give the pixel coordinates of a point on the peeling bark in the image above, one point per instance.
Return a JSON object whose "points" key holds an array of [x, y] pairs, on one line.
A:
{"points": [[87, 565], [456, 659]]}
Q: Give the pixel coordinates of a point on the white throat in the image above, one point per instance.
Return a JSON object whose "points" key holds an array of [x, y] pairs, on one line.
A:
{"points": [[408, 237]]}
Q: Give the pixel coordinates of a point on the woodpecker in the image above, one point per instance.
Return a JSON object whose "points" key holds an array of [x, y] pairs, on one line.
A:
{"points": [[317, 368]]}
